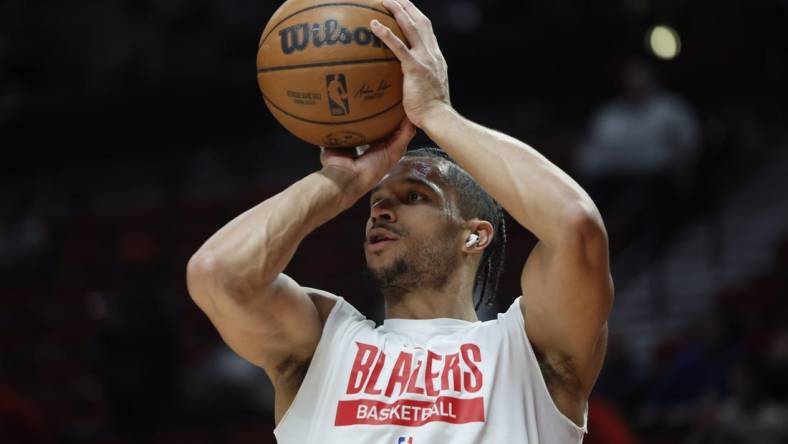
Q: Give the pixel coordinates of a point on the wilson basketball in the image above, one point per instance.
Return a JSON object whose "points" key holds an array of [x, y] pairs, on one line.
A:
{"points": [[326, 77]]}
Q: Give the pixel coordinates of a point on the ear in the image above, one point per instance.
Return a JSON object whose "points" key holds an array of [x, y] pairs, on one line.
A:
{"points": [[481, 228]]}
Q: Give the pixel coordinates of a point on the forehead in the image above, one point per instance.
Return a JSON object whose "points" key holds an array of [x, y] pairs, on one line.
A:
{"points": [[421, 169]]}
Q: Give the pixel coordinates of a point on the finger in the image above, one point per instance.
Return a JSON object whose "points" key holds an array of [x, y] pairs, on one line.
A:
{"points": [[415, 13], [423, 24], [407, 23], [406, 130], [396, 144], [406, 133], [391, 40]]}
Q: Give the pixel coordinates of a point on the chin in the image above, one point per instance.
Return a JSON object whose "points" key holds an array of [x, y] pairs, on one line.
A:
{"points": [[375, 261], [380, 259]]}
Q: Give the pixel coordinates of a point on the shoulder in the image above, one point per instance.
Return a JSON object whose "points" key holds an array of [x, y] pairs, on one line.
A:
{"points": [[506, 326], [514, 313], [327, 303], [323, 300]]}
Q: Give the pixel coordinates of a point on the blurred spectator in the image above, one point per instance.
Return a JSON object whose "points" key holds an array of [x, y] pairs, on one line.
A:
{"points": [[640, 150], [645, 131]]}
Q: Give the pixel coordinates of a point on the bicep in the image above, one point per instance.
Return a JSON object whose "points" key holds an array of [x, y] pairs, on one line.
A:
{"points": [[567, 296], [277, 329]]}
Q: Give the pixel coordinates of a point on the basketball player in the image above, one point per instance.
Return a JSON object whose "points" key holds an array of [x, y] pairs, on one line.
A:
{"points": [[432, 373]]}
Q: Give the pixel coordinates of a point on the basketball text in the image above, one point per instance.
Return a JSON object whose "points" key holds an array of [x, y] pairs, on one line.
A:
{"points": [[297, 37], [441, 383]]}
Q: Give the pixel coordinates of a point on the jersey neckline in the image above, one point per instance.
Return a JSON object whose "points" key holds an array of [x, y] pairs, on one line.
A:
{"points": [[400, 324]]}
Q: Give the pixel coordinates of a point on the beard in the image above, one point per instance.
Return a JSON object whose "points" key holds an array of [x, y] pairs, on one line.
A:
{"points": [[428, 266]]}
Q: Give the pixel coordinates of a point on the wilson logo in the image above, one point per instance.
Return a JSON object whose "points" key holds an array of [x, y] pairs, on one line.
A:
{"points": [[298, 37]]}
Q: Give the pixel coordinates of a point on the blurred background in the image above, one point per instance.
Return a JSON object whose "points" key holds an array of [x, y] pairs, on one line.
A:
{"points": [[133, 130]]}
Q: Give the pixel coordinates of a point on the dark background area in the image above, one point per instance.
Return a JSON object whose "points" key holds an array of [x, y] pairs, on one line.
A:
{"points": [[132, 130]]}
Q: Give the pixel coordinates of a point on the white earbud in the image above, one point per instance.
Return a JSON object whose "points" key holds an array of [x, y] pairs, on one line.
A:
{"points": [[473, 239]]}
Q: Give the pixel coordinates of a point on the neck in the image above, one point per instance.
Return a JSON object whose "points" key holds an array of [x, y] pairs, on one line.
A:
{"points": [[454, 301]]}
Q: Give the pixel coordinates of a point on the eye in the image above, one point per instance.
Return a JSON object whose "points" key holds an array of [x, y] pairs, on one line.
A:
{"points": [[414, 196]]}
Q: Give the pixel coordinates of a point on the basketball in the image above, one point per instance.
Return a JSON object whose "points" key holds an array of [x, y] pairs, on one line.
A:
{"points": [[326, 77]]}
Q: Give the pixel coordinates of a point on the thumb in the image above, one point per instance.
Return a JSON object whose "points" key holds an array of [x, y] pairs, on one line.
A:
{"points": [[394, 146], [401, 138]]}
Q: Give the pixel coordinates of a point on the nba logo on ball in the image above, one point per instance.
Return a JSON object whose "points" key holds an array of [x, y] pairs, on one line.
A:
{"points": [[405, 440], [337, 94]]}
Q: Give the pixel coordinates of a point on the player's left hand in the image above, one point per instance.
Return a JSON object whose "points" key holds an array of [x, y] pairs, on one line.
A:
{"points": [[426, 81], [365, 171]]}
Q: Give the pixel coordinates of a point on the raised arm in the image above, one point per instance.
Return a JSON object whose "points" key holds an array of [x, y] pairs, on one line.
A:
{"points": [[566, 283], [237, 277]]}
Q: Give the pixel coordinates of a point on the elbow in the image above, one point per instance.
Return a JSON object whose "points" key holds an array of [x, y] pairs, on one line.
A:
{"points": [[200, 264], [208, 273], [585, 223], [585, 235], [201, 276], [207, 282], [209, 277], [585, 243]]}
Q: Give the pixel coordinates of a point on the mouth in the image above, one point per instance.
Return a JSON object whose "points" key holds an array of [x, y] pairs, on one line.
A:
{"points": [[380, 238], [380, 245]]}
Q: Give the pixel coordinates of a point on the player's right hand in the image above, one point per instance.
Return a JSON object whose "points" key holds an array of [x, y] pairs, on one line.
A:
{"points": [[425, 85], [361, 173]]}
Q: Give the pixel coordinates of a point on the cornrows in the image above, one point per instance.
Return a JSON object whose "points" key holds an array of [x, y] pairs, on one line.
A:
{"points": [[474, 202]]}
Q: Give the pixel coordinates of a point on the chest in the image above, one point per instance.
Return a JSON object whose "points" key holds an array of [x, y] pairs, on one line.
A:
{"points": [[392, 380]]}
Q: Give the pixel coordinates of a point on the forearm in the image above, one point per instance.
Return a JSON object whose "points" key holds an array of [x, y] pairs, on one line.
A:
{"points": [[252, 249], [538, 194]]}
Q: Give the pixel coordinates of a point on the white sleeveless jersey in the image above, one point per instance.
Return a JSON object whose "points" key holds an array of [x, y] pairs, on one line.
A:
{"points": [[428, 381]]}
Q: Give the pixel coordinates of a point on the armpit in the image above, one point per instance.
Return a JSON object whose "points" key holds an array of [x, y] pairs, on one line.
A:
{"points": [[291, 371], [560, 373]]}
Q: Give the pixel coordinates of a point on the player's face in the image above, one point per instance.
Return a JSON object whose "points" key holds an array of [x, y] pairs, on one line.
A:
{"points": [[413, 231]]}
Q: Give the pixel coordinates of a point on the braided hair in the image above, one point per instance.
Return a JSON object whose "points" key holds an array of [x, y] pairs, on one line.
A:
{"points": [[474, 202]]}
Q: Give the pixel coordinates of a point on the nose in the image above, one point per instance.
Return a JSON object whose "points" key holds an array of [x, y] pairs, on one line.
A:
{"points": [[383, 210]]}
